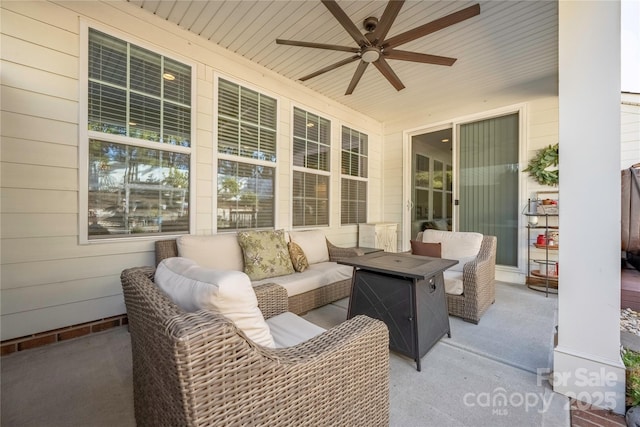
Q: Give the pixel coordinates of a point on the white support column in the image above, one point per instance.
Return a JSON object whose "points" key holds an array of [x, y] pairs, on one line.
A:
{"points": [[587, 363]]}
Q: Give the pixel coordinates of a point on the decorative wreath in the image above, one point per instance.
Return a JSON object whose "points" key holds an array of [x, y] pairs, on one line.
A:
{"points": [[544, 166]]}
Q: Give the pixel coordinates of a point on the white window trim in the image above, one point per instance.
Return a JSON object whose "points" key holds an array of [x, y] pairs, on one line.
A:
{"points": [[218, 156], [84, 134]]}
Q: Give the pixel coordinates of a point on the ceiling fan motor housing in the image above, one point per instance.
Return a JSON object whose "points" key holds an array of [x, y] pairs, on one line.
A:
{"points": [[370, 23]]}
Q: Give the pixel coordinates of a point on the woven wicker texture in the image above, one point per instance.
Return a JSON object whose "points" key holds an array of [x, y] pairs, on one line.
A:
{"points": [[192, 369], [479, 287], [298, 304]]}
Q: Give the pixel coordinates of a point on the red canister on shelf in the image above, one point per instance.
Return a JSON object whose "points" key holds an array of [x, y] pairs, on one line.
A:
{"points": [[542, 240]]}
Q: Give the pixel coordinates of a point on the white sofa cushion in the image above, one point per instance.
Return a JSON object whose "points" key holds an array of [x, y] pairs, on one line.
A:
{"points": [[314, 277], [460, 246], [453, 282], [229, 293], [313, 243], [218, 251], [288, 329]]}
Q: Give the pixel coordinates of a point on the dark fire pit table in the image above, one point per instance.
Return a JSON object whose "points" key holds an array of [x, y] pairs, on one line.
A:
{"points": [[406, 292]]}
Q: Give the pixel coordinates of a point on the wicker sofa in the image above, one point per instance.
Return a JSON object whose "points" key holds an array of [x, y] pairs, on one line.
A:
{"points": [[197, 368], [329, 282], [470, 286]]}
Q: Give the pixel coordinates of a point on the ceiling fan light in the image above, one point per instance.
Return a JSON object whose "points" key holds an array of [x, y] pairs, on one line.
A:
{"points": [[370, 54]]}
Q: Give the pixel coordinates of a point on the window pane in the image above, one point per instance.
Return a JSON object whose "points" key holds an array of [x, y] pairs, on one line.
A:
{"points": [[267, 145], [299, 123], [107, 59], [228, 99], [228, 136], [268, 112], [354, 201], [422, 171], [438, 175], [311, 145], [249, 141], [248, 105], [310, 199], [145, 74], [354, 153], [299, 152], [245, 195], [178, 89], [107, 109], [177, 125], [126, 92], [251, 112], [134, 190], [144, 119]]}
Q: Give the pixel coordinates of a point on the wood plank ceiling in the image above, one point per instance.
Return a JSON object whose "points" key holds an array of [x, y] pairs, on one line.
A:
{"points": [[507, 52]]}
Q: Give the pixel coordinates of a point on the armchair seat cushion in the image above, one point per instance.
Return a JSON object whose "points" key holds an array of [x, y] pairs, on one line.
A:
{"points": [[228, 293], [453, 282], [289, 329], [461, 246], [314, 277]]}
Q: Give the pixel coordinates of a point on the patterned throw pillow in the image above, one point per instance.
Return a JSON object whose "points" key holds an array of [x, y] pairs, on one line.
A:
{"points": [[265, 254], [298, 257], [426, 249]]}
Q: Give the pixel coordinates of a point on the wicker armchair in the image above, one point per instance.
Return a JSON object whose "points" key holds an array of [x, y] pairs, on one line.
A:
{"points": [[198, 369], [479, 289], [298, 304]]}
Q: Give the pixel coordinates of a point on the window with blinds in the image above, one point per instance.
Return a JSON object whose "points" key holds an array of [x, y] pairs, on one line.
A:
{"points": [[354, 176], [139, 127], [311, 169], [247, 131]]}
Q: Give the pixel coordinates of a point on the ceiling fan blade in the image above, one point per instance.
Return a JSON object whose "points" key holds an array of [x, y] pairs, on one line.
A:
{"points": [[386, 71], [356, 77], [432, 26], [424, 58], [330, 67], [346, 22], [388, 16], [318, 45]]}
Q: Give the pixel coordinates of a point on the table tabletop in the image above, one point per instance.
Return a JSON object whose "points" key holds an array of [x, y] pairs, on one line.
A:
{"points": [[402, 264]]}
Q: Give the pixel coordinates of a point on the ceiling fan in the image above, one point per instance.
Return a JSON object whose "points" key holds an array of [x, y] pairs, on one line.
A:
{"points": [[373, 47]]}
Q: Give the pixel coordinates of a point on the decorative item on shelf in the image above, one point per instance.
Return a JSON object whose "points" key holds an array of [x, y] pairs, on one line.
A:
{"points": [[548, 207], [543, 168], [547, 268], [530, 210]]}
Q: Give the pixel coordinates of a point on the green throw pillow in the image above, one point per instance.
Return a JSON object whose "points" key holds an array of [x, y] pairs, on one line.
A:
{"points": [[265, 254]]}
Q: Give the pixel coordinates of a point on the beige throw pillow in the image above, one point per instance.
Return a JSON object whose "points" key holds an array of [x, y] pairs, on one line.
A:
{"points": [[265, 254], [298, 258]]}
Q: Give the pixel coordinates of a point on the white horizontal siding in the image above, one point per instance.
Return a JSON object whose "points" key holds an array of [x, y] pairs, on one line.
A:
{"points": [[48, 318], [21, 200], [36, 297], [28, 225], [25, 274], [38, 153], [38, 129], [48, 280]]}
